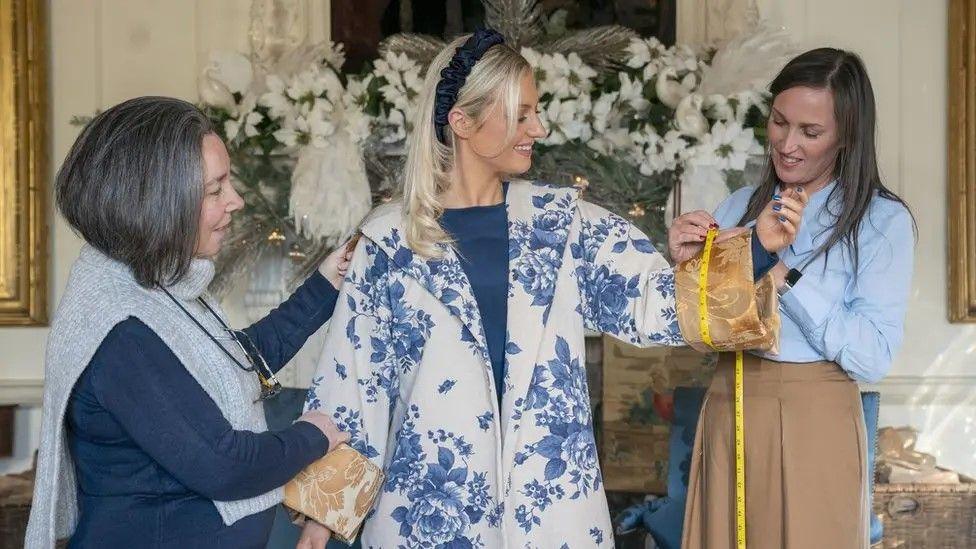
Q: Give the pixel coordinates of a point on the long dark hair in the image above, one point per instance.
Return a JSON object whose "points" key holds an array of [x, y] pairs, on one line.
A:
{"points": [[856, 169]]}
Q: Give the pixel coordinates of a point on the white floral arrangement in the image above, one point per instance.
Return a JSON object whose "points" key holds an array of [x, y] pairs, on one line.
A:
{"points": [[674, 112]]}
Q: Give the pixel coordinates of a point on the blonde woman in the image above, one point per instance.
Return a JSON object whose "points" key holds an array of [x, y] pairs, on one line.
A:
{"points": [[455, 355]]}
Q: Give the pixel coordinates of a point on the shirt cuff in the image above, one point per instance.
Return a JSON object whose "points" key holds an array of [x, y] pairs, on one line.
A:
{"points": [[321, 285], [316, 439], [807, 306], [762, 260]]}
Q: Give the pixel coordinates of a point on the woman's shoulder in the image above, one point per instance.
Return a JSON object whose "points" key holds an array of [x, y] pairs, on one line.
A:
{"points": [[886, 214], [130, 351], [130, 337]]}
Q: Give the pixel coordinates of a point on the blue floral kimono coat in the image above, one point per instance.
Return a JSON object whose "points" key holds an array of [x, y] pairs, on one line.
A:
{"points": [[406, 371]]}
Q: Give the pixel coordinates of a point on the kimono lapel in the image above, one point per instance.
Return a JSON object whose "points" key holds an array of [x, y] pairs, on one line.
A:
{"points": [[539, 220], [444, 278]]}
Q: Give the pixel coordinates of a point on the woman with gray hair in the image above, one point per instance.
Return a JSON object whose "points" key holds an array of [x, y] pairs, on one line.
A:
{"points": [[153, 431]]}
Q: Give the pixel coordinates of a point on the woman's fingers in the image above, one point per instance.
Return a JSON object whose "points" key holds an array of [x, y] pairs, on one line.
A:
{"points": [[697, 218], [686, 238], [787, 203]]}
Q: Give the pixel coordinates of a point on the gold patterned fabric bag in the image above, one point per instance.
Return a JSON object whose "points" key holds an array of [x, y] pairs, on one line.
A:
{"points": [[336, 491], [742, 314]]}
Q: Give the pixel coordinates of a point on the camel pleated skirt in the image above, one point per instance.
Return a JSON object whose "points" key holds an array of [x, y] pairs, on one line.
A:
{"points": [[806, 460]]}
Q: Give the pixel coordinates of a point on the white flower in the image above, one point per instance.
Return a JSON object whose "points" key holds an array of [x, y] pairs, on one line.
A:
{"points": [[252, 119], [640, 54], [747, 99], [632, 93], [287, 137], [579, 68], [727, 147], [412, 80], [278, 104], [566, 120], [330, 84], [645, 52], [532, 56], [232, 127], [569, 76], [660, 153], [357, 124], [301, 85], [718, 108], [602, 110]]}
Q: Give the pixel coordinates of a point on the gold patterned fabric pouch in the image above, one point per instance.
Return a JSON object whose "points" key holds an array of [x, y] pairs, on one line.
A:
{"points": [[742, 314], [336, 491]]}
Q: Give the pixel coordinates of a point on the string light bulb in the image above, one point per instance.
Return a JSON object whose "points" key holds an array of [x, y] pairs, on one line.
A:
{"points": [[276, 237]]}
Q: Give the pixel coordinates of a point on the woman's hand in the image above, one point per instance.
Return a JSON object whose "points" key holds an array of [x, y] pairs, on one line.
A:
{"points": [[779, 222], [336, 265], [314, 536], [686, 236], [327, 426]]}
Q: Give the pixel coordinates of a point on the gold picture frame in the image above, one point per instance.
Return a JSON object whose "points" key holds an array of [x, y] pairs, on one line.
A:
{"points": [[23, 163], [962, 161]]}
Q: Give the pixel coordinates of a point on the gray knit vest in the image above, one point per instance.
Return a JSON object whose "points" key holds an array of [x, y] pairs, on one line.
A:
{"points": [[102, 292]]}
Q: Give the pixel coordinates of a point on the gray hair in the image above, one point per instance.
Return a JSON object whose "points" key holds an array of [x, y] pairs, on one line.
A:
{"points": [[132, 185]]}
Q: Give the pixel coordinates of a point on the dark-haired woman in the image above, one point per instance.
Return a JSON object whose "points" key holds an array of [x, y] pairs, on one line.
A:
{"points": [[844, 286], [153, 432]]}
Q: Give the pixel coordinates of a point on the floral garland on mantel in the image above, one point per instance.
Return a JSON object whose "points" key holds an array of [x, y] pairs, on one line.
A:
{"points": [[314, 148]]}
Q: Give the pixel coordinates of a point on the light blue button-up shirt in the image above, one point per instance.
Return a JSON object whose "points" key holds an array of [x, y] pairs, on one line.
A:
{"points": [[829, 315]]}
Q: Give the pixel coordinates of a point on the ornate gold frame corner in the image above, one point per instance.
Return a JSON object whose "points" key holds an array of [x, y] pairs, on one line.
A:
{"points": [[23, 163]]}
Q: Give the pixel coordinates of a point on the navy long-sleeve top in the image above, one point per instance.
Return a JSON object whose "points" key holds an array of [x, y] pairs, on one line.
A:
{"points": [[138, 489], [480, 235]]}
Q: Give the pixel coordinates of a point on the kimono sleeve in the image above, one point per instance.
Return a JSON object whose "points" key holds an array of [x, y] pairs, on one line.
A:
{"points": [[626, 286], [356, 381]]}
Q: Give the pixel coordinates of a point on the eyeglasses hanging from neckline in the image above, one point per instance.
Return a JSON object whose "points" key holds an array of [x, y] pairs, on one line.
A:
{"points": [[270, 386]]}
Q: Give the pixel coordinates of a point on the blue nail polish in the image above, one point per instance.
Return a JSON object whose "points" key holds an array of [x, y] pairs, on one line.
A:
{"points": [[777, 197], [777, 207], [783, 219]]}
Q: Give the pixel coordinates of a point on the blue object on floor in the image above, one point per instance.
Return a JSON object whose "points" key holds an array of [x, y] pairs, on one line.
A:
{"points": [[664, 517], [871, 402]]}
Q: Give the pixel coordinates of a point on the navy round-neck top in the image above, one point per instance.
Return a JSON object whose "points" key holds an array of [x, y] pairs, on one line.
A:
{"points": [[480, 236]]}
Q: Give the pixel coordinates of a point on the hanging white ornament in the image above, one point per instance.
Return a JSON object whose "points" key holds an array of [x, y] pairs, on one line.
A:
{"points": [[330, 193]]}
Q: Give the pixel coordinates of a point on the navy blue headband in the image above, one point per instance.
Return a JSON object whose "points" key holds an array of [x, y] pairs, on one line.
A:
{"points": [[456, 73]]}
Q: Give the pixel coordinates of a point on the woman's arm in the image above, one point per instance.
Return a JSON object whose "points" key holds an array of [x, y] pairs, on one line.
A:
{"points": [[143, 385], [281, 333], [626, 286]]}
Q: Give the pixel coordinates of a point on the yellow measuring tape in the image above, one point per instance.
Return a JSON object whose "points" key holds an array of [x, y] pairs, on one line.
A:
{"points": [[740, 448]]}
